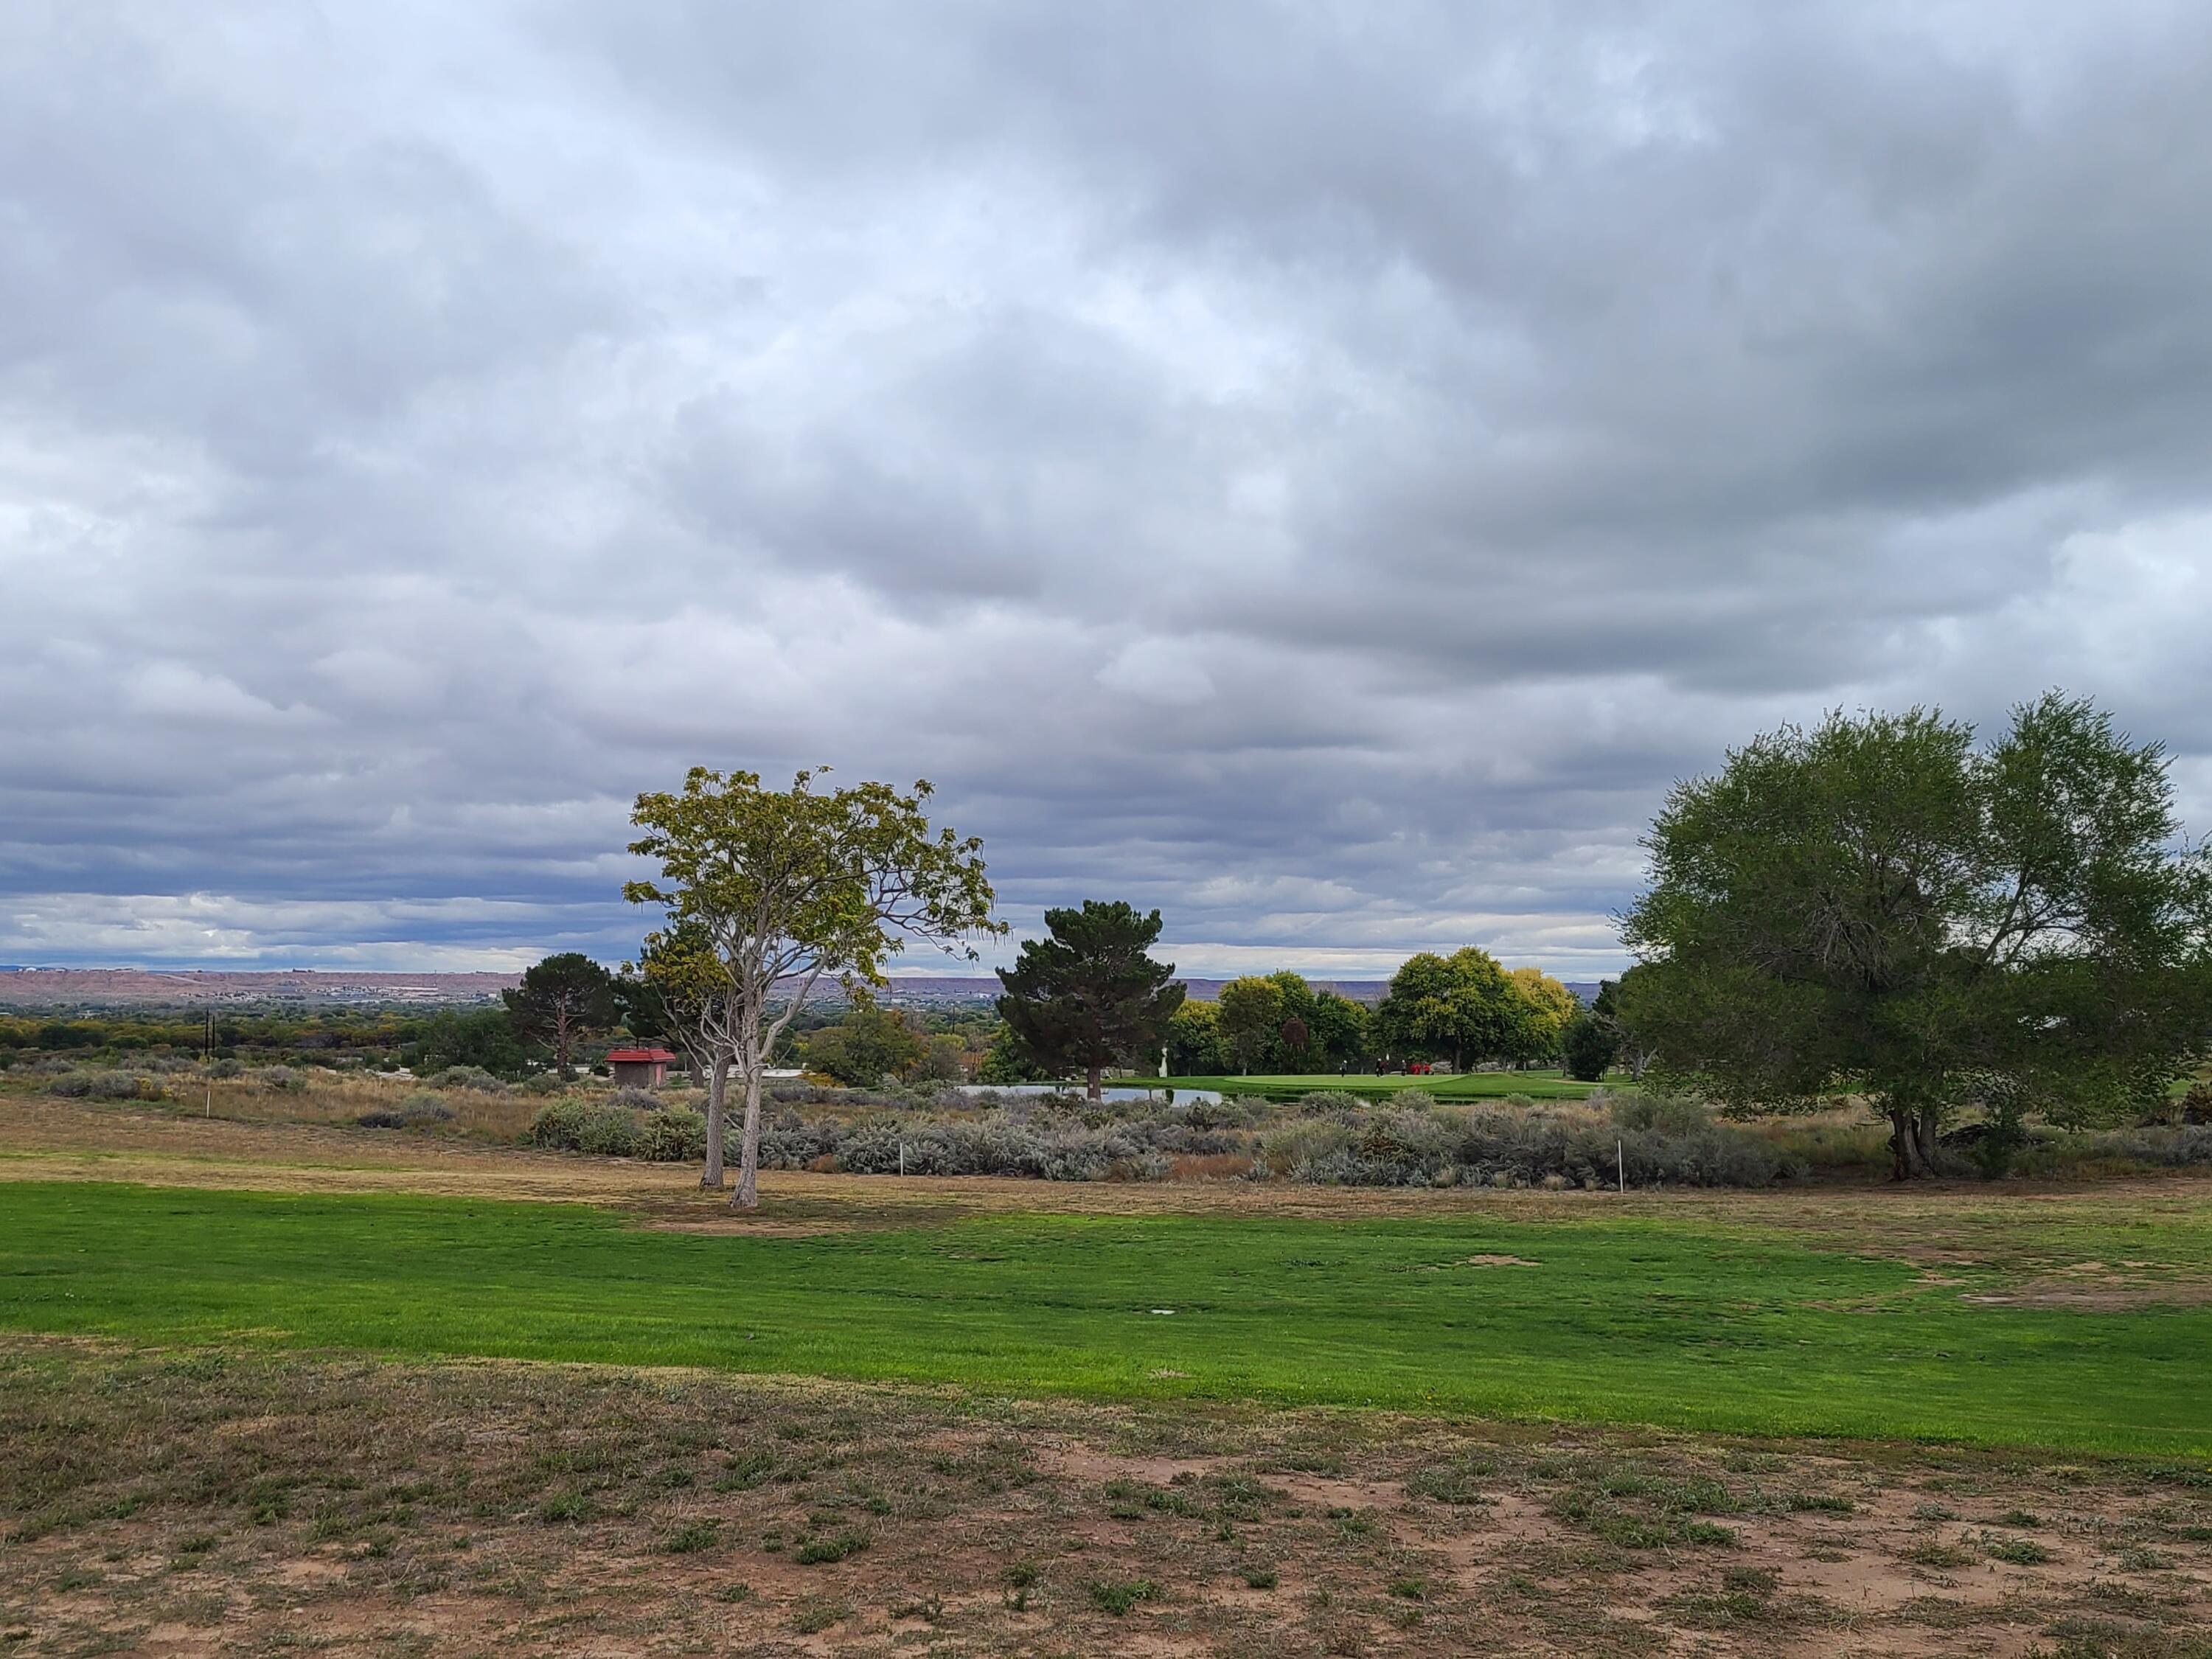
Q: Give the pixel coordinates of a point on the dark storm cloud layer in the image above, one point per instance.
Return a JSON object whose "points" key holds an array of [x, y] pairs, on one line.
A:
{"points": [[1321, 470]]}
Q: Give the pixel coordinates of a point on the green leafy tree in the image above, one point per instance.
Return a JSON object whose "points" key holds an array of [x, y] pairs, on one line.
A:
{"points": [[1588, 1046], [482, 1037], [945, 1060], [1193, 1040], [860, 1050], [1464, 1005], [1004, 1060], [1250, 1018], [563, 1001], [1875, 907], [787, 886], [1552, 1008], [1340, 1030], [1088, 996]]}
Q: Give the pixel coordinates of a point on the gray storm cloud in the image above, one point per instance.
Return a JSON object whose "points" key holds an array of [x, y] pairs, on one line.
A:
{"points": [[1320, 470]]}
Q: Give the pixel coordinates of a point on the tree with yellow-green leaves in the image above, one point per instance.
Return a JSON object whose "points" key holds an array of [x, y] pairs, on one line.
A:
{"points": [[1552, 1008], [781, 888]]}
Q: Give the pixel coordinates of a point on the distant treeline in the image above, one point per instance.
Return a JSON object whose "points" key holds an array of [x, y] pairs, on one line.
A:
{"points": [[481, 1037], [423, 1041]]}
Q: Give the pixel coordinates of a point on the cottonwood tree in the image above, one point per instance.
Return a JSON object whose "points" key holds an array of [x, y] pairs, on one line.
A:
{"points": [[1464, 1004], [1193, 1040], [1552, 1008], [1340, 1028], [1250, 1018], [563, 1001], [789, 886], [1088, 995], [1875, 907]]}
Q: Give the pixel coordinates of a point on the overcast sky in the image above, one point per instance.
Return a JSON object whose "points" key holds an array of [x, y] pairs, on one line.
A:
{"points": [[1322, 470]]}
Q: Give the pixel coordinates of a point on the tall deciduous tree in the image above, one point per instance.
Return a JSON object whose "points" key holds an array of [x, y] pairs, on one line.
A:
{"points": [[1250, 1017], [1193, 1040], [1876, 907], [563, 1001], [1088, 996], [1464, 1005], [789, 886], [1340, 1027], [1552, 1009]]}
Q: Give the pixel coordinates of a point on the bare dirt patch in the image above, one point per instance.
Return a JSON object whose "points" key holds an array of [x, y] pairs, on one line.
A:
{"points": [[204, 1502]]}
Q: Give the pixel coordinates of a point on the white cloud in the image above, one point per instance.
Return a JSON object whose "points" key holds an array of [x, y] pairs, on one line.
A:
{"points": [[1323, 472]]}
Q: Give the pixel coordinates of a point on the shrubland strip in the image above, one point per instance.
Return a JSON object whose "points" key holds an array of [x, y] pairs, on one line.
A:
{"points": [[1401, 1137]]}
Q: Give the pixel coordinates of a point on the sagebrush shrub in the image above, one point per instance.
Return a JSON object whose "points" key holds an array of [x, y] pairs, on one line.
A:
{"points": [[104, 1085], [1642, 1109], [577, 1126], [466, 1077], [677, 1135]]}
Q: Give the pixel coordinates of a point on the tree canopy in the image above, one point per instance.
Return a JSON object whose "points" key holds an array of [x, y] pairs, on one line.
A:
{"points": [[1087, 996], [1877, 907], [865, 1046], [1195, 1046], [1552, 1009], [1464, 1005], [785, 886], [563, 1001], [1250, 1019]]}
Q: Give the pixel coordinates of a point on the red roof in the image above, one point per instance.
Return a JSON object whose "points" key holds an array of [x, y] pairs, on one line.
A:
{"points": [[640, 1053]]}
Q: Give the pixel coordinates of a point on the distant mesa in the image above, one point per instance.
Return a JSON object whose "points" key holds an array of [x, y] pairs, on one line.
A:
{"points": [[28, 986], [59, 987]]}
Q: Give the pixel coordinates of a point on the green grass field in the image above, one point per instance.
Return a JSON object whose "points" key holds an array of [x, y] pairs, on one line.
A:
{"points": [[1467, 1086], [1621, 1318]]}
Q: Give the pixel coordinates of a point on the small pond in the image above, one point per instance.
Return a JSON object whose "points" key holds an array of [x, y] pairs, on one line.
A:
{"points": [[1110, 1091]]}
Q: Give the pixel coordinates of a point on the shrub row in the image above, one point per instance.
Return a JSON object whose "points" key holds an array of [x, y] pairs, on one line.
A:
{"points": [[1409, 1142], [614, 1129], [105, 1085], [1486, 1147]]}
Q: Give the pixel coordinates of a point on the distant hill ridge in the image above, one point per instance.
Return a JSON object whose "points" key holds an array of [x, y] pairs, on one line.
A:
{"points": [[67, 987]]}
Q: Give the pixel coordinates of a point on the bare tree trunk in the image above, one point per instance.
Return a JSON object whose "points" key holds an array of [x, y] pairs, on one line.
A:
{"points": [[1925, 1125], [718, 1085], [1091, 1091], [747, 1196], [1911, 1142]]}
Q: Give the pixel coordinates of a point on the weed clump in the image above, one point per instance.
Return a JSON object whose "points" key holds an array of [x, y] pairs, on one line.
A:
{"points": [[1118, 1598]]}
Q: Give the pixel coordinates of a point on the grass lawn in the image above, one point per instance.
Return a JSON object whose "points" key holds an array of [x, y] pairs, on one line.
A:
{"points": [[1629, 1318], [1465, 1086]]}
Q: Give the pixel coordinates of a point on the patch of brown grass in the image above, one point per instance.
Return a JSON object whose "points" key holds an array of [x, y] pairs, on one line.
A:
{"points": [[243, 1502]]}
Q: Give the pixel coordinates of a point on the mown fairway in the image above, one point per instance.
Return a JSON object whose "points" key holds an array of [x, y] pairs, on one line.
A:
{"points": [[1623, 1318]]}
